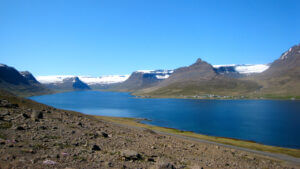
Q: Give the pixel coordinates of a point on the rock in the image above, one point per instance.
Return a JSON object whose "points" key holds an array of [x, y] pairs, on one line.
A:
{"points": [[5, 103], [31, 151], [2, 141], [109, 164], [25, 115], [64, 154], [250, 157], [152, 147], [151, 159], [131, 155], [55, 156], [49, 162], [150, 131], [167, 166], [43, 127], [76, 144], [96, 148], [36, 115], [105, 135], [20, 128], [35, 160], [80, 124]]}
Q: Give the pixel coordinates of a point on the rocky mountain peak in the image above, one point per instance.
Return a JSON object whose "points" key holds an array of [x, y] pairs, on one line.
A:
{"points": [[201, 64], [199, 60], [292, 51], [29, 77]]}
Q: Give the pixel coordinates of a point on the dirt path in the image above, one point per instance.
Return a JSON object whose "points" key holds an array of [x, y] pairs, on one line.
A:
{"points": [[286, 158]]}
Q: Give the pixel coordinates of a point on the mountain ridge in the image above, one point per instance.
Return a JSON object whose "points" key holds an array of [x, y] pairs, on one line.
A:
{"points": [[23, 84]]}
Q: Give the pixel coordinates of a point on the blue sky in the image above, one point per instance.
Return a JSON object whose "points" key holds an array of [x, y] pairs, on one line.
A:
{"points": [[50, 37]]}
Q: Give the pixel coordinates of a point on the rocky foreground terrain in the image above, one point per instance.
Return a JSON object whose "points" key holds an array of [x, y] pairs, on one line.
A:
{"points": [[33, 135]]}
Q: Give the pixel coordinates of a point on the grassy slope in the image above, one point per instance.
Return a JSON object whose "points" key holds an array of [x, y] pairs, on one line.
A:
{"points": [[225, 87], [229, 141]]}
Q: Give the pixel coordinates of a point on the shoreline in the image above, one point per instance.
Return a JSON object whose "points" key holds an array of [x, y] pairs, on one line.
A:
{"points": [[291, 98], [135, 122], [284, 98]]}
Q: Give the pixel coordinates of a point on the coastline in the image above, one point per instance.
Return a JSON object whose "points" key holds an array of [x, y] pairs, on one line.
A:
{"points": [[218, 98], [168, 145], [233, 97]]}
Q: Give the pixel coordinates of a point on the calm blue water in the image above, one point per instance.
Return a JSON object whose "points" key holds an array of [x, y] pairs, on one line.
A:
{"points": [[269, 122]]}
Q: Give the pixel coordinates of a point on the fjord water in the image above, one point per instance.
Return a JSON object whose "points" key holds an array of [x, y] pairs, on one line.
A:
{"points": [[271, 122]]}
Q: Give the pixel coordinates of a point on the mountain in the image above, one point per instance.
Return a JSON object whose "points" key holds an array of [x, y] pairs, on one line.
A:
{"points": [[142, 79], [68, 84], [12, 76], [283, 76], [280, 79], [198, 79], [149, 78], [23, 84], [79, 85]]}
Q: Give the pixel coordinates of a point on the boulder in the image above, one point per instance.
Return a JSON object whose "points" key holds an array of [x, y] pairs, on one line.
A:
{"points": [[167, 166], [129, 155], [96, 148], [36, 115]]}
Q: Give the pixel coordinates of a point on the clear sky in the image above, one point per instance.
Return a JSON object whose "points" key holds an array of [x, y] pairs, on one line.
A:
{"points": [[101, 37]]}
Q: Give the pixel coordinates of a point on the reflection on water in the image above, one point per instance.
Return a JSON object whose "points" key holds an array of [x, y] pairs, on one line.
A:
{"points": [[107, 112]]}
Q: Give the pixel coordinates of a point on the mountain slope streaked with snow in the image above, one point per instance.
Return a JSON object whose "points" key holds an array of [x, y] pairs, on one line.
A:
{"points": [[159, 74]]}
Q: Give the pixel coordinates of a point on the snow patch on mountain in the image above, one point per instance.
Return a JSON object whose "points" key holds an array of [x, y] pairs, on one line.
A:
{"points": [[218, 66], [155, 71], [53, 79], [108, 79], [284, 56], [246, 68], [162, 76], [159, 74]]}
